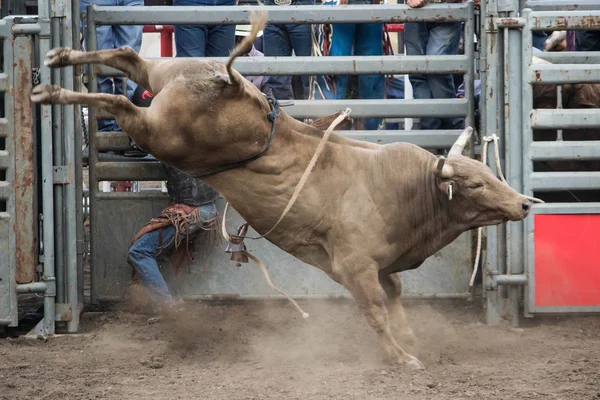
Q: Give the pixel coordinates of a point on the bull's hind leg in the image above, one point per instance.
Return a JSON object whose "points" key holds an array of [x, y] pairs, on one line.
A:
{"points": [[362, 282], [392, 285], [131, 118], [124, 59]]}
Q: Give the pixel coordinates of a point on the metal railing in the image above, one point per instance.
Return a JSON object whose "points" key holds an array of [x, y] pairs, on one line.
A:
{"points": [[108, 203]]}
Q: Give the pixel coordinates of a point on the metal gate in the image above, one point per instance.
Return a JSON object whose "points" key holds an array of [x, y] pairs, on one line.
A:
{"points": [[217, 277], [518, 262], [39, 176], [561, 241]]}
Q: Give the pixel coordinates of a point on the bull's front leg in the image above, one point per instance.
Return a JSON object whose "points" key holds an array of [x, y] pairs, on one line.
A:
{"points": [[124, 59], [392, 285], [360, 278]]}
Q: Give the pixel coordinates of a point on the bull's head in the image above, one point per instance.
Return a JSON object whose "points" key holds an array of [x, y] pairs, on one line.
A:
{"points": [[476, 197]]}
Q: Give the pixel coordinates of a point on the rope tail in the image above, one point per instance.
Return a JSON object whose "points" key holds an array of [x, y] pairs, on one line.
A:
{"points": [[258, 21]]}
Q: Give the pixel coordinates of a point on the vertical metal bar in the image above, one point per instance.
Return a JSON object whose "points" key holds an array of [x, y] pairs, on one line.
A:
{"points": [[470, 76], [527, 133], [68, 134], [490, 120], [559, 105], [46, 149], [8, 219], [514, 166], [57, 125], [76, 16], [93, 156]]}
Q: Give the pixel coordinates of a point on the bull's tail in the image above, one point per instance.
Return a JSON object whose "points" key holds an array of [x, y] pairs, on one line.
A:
{"points": [[258, 21]]}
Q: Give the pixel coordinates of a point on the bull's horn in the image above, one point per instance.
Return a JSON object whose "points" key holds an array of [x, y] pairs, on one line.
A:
{"points": [[459, 146]]}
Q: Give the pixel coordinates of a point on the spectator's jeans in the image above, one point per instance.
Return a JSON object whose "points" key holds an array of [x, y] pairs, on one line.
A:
{"points": [[367, 41], [143, 252], [430, 38], [113, 37], [280, 40], [539, 39], [204, 40], [587, 40]]}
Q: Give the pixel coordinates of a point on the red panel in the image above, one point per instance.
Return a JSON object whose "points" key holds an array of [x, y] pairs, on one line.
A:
{"points": [[567, 260]]}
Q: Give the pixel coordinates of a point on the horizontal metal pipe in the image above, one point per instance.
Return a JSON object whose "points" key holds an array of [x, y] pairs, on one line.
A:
{"points": [[354, 65], [567, 208], [510, 22], [3, 82], [302, 297], [565, 118], [584, 150], [515, 279], [309, 14], [129, 171], [563, 73], [557, 181], [153, 195], [26, 29], [35, 287], [562, 5], [3, 127], [559, 20], [380, 108], [438, 139], [570, 57]]}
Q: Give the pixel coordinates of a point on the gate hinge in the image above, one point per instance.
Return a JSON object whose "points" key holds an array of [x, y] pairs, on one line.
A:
{"points": [[61, 175]]}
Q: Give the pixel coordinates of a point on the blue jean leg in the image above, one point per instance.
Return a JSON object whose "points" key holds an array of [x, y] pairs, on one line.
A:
{"points": [[424, 38], [128, 35], [279, 41], [142, 255], [368, 42], [204, 40]]}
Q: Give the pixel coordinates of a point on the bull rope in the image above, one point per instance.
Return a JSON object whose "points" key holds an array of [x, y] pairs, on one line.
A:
{"points": [[486, 140], [293, 199]]}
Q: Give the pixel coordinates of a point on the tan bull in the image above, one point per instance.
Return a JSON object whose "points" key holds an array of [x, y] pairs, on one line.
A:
{"points": [[367, 211]]}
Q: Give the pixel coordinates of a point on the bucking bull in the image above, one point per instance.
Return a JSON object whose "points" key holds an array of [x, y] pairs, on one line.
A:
{"points": [[367, 211]]}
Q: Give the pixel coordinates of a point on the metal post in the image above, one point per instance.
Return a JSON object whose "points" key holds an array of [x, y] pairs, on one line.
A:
{"points": [[68, 134], [46, 149], [527, 133], [470, 76], [514, 167], [93, 156], [57, 125]]}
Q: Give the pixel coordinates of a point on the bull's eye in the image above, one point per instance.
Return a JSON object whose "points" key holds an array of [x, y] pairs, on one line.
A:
{"points": [[477, 185]]}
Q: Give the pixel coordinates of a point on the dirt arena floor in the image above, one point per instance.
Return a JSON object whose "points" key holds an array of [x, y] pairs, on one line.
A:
{"points": [[267, 351]]}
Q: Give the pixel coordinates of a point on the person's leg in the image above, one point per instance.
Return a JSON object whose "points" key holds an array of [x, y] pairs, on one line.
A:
{"points": [[301, 41], [190, 40], [142, 255], [587, 40], [368, 42], [277, 44], [539, 39], [128, 35], [342, 39], [104, 40], [444, 40], [221, 38], [416, 37]]}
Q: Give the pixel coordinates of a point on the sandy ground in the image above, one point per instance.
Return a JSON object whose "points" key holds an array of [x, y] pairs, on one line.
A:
{"points": [[267, 351]]}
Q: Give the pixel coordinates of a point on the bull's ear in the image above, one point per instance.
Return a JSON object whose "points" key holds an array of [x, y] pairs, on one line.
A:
{"points": [[442, 169]]}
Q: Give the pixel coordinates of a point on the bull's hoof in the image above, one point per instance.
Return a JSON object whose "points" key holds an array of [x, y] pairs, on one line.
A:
{"points": [[57, 57], [415, 364], [45, 94]]}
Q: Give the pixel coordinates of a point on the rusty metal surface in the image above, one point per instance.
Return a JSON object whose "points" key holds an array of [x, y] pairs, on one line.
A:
{"points": [[24, 162]]}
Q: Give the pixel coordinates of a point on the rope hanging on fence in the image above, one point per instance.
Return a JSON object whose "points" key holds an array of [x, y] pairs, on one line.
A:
{"points": [[486, 140]]}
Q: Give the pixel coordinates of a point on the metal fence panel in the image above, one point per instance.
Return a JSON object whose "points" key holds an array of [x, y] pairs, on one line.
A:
{"points": [[8, 212], [213, 275], [447, 273], [581, 68]]}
